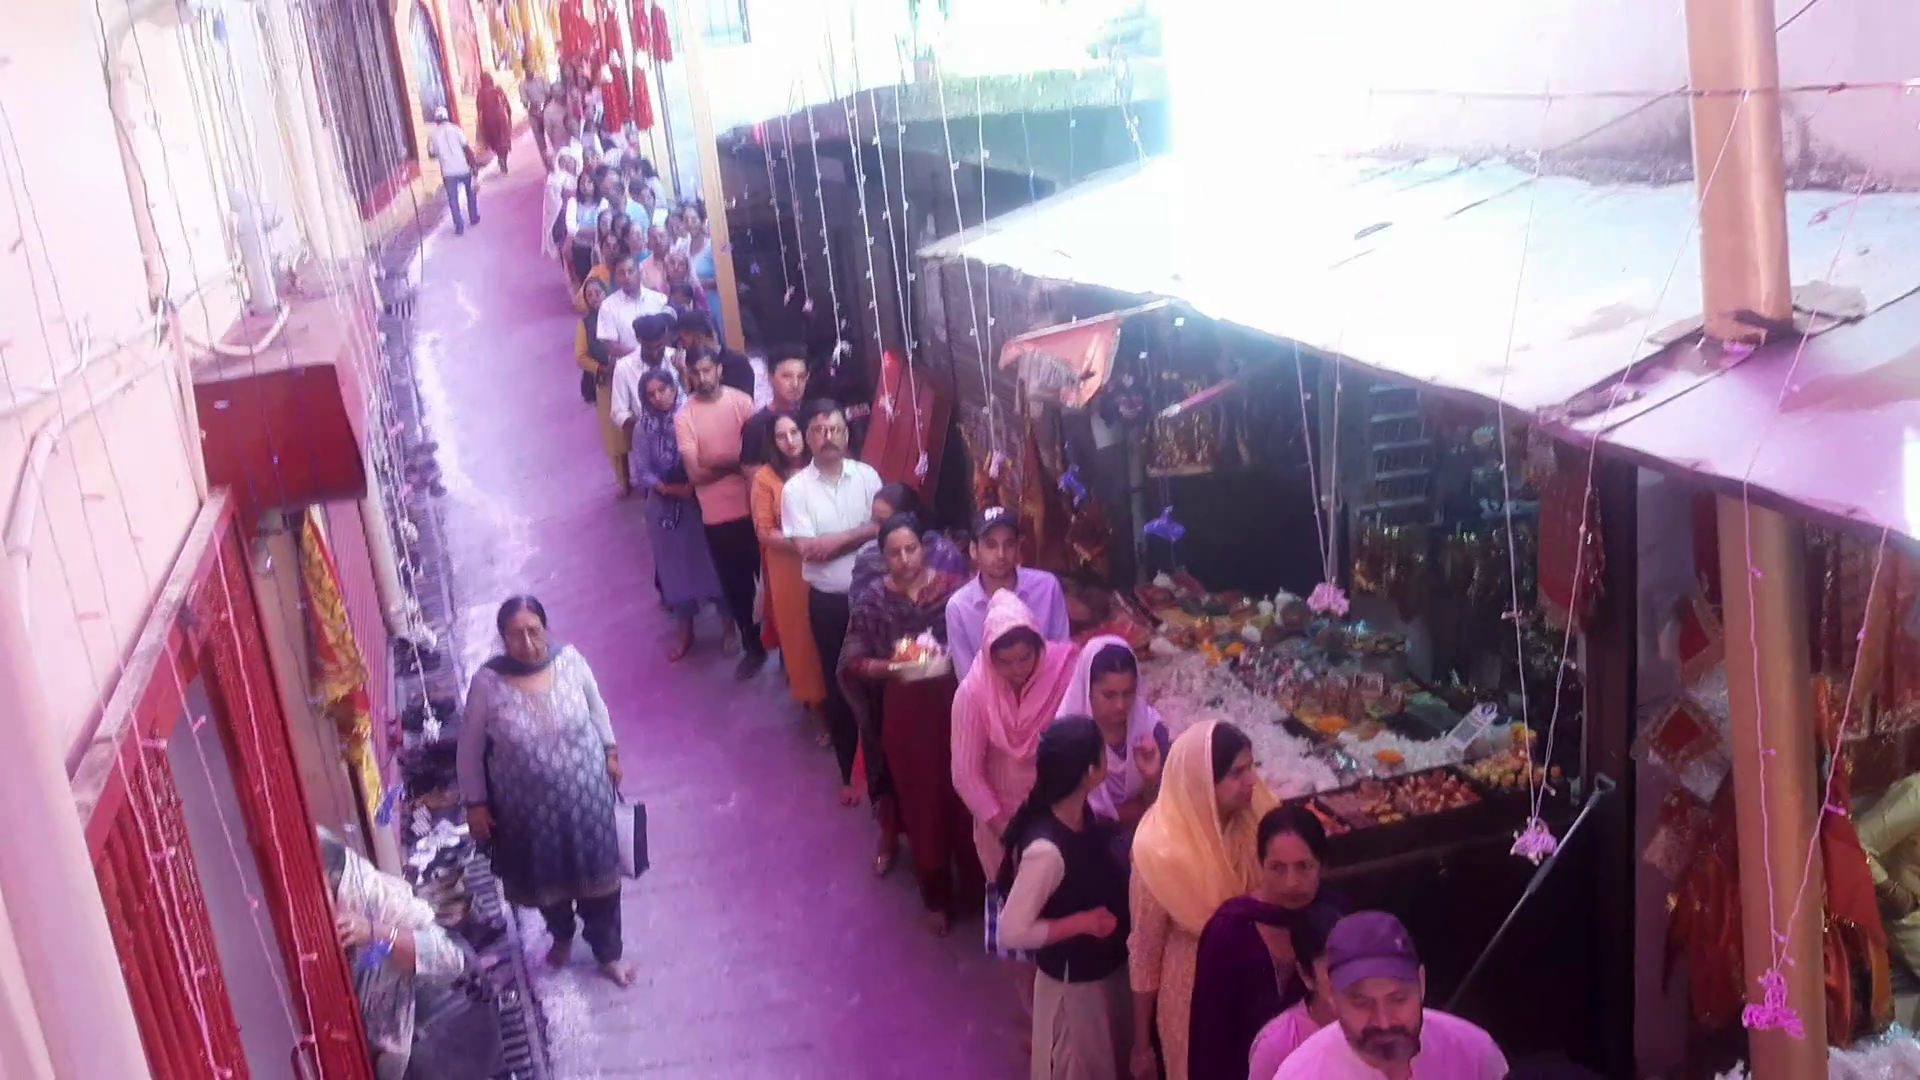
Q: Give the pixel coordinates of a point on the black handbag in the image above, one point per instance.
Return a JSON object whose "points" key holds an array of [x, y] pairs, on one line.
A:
{"points": [[559, 230], [587, 387]]}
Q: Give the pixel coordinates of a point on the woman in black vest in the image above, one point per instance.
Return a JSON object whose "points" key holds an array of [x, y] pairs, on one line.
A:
{"points": [[1067, 900]]}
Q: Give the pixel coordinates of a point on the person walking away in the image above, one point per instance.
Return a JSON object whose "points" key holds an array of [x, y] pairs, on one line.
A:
{"points": [[696, 331], [826, 510], [786, 590], [534, 90], [1195, 849], [1106, 686], [447, 144], [539, 775], [623, 307], [999, 713], [1245, 968], [709, 431], [683, 562], [996, 551], [595, 360], [420, 961], [913, 732], [1284, 1033], [1067, 901], [1382, 1029], [788, 374], [496, 119]]}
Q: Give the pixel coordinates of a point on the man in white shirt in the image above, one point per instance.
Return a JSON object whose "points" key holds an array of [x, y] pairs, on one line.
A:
{"points": [[447, 144], [618, 312], [624, 397], [827, 511], [1383, 1029]]}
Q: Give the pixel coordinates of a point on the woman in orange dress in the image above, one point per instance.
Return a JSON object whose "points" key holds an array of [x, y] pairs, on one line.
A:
{"points": [[786, 592]]}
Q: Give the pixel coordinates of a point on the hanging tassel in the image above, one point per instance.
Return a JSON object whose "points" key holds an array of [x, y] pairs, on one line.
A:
{"points": [[1773, 1013], [1070, 483], [637, 23], [662, 41], [1165, 527], [1535, 842], [1328, 599]]}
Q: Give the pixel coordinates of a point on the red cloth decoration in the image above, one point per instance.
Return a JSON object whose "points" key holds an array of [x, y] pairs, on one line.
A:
{"points": [[638, 25], [1571, 563], [642, 102], [616, 91], [662, 40], [576, 32]]}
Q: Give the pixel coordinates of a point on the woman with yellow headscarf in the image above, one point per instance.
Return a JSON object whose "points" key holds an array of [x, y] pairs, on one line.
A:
{"points": [[1195, 850]]}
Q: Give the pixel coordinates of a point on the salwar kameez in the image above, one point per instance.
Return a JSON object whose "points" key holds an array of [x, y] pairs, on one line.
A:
{"points": [[915, 736], [682, 559], [588, 350], [786, 596]]}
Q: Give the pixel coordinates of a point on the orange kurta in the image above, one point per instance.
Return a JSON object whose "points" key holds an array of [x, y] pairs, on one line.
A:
{"points": [[786, 595]]}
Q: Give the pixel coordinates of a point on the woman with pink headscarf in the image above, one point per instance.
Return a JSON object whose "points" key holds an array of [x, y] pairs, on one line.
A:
{"points": [[999, 713]]}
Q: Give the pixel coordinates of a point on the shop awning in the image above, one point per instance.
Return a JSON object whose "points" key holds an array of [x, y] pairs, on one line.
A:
{"points": [[1069, 363], [1830, 424], [1479, 280]]}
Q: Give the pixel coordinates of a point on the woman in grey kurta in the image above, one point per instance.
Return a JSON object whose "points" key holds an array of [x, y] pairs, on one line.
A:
{"points": [[681, 560], [539, 774]]}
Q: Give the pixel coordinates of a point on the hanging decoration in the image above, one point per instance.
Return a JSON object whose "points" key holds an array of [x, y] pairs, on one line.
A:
{"points": [[660, 37], [339, 671], [639, 25], [616, 80]]}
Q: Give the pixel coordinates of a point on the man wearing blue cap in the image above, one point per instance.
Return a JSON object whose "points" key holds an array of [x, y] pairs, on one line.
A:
{"points": [[1384, 1031]]}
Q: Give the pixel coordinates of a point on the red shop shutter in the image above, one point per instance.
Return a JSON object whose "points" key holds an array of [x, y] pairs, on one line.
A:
{"points": [[160, 930], [279, 826]]}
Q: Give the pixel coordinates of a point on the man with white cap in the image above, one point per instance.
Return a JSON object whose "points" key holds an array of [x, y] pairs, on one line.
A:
{"points": [[1384, 1031], [447, 144]]}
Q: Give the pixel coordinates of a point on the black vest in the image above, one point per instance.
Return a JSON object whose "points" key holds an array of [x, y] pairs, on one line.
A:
{"points": [[1093, 880]]}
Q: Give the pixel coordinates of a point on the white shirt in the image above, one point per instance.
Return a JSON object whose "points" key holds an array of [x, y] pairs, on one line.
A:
{"points": [[623, 397], [1450, 1049], [813, 506], [447, 144], [617, 313]]}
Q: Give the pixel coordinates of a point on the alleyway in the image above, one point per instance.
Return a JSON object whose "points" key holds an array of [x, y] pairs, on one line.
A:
{"points": [[763, 946]]}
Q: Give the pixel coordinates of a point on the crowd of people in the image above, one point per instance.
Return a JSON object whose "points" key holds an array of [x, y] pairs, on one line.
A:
{"points": [[1157, 914]]}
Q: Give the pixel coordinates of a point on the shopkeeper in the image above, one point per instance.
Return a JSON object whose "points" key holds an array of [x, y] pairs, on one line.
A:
{"points": [[996, 553]]}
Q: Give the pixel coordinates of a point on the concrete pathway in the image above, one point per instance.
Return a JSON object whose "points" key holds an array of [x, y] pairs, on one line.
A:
{"points": [[763, 945]]}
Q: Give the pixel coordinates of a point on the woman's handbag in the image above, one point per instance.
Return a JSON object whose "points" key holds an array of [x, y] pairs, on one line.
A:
{"points": [[630, 829], [587, 388]]}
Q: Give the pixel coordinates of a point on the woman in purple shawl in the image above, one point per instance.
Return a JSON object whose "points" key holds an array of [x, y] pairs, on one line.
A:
{"points": [[1245, 974]]}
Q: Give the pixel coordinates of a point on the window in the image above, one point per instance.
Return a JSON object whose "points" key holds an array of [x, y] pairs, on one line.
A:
{"points": [[726, 22]]}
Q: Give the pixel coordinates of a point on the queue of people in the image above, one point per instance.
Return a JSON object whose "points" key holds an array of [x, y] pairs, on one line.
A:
{"points": [[1156, 913]]}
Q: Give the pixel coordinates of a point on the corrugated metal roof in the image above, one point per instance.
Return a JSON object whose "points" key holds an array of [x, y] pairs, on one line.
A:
{"points": [[1831, 424], [1427, 270]]}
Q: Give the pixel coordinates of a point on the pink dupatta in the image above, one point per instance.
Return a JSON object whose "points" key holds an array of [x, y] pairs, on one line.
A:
{"points": [[1014, 722]]}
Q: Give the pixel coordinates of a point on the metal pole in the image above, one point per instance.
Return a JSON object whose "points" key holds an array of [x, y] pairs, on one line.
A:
{"points": [[710, 185], [1741, 173], [58, 922]]}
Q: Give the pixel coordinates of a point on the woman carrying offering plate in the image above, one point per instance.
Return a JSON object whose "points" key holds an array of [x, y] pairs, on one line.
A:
{"points": [[896, 638]]}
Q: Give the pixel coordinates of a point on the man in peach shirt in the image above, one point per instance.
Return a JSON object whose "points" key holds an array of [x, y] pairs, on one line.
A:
{"points": [[708, 430]]}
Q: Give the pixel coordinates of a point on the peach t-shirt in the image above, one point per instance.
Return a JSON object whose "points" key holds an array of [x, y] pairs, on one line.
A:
{"points": [[709, 431]]}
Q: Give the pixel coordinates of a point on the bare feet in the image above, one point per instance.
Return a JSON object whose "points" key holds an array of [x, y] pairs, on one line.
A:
{"points": [[617, 973], [561, 952], [730, 642], [884, 859], [681, 647], [937, 924], [848, 796]]}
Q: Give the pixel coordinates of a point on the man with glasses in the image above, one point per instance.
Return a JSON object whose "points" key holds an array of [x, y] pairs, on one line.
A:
{"points": [[827, 511]]}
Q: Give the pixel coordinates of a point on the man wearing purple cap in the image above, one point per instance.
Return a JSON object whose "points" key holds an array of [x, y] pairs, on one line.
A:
{"points": [[1384, 1030]]}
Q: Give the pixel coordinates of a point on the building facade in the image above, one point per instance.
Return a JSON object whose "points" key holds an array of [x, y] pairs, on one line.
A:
{"points": [[201, 525]]}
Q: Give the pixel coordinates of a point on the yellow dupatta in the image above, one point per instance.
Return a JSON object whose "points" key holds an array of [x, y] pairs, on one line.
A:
{"points": [[1189, 858]]}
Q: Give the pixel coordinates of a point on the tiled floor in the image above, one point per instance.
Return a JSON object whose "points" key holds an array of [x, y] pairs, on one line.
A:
{"points": [[764, 946]]}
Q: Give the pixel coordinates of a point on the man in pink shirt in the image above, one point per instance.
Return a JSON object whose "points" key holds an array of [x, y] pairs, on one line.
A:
{"points": [[1383, 1030], [708, 430]]}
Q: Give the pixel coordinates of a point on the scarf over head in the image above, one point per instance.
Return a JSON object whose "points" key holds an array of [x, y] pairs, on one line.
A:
{"points": [[1189, 858], [663, 443], [1014, 721], [1123, 780]]}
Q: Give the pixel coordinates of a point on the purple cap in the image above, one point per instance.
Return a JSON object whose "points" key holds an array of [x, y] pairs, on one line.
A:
{"points": [[1368, 945]]}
